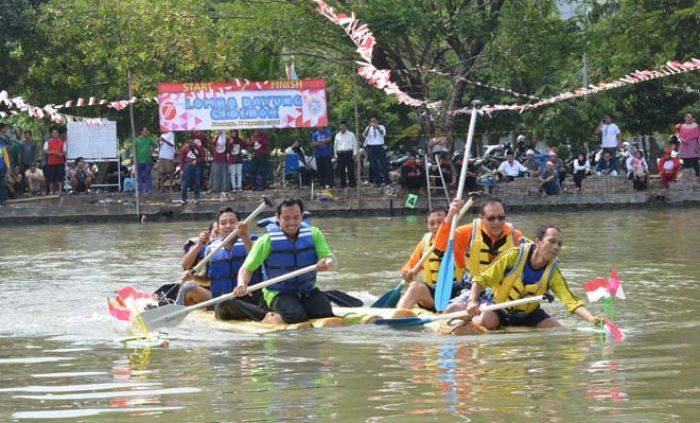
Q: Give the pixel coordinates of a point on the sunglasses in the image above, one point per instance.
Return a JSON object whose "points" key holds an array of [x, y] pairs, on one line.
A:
{"points": [[500, 217]]}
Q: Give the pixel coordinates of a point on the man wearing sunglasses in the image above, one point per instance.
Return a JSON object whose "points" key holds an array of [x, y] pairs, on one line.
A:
{"points": [[478, 244]]}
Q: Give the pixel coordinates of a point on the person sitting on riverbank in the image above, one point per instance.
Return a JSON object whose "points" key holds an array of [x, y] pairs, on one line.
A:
{"points": [[607, 165], [412, 176], [668, 167], [80, 176], [289, 245], [35, 179], [530, 270], [511, 168], [637, 170], [548, 180], [423, 293], [559, 166], [531, 164], [581, 167], [13, 182], [476, 245]]}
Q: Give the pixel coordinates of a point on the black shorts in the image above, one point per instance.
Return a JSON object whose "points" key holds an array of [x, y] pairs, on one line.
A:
{"points": [[521, 319], [55, 173]]}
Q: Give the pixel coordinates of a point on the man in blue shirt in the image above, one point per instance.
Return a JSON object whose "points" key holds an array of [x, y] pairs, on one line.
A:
{"points": [[323, 151]]}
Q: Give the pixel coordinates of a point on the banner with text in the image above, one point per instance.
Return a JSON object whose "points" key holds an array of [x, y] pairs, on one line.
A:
{"points": [[242, 104]]}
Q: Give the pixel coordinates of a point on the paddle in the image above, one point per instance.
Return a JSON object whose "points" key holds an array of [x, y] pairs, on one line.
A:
{"points": [[265, 204], [443, 287], [173, 314], [419, 321], [343, 299], [391, 298]]}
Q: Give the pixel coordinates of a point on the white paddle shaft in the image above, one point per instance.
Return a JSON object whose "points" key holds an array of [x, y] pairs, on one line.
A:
{"points": [[229, 237], [422, 260], [493, 307], [465, 165]]}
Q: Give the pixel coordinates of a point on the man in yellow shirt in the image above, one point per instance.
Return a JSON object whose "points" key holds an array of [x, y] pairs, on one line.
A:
{"points": [[530, 270]]}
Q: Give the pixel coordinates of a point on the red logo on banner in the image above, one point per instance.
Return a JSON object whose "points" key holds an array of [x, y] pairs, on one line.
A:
{"points": [[168, 111]]}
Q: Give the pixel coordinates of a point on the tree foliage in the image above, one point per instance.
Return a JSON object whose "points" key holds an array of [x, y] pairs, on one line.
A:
{"points": [[55, 50]]}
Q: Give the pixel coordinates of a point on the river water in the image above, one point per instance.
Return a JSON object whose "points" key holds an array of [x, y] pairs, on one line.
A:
{"points": [[59, 358]]}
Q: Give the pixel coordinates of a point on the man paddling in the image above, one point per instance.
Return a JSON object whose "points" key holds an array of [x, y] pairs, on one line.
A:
{"points": [[222, 271], [423, 294], [478, 244], [289, 245], [530, 270]]}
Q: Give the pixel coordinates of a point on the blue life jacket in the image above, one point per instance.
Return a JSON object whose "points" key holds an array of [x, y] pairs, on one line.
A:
{"points": [[224, 267], [287, 256]]}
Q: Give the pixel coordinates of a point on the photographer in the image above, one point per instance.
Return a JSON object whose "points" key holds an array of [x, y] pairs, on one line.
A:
{"points": [[374, 140]]}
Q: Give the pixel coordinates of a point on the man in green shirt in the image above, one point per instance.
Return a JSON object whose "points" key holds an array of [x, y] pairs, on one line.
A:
{"points": [[145, 146], [288, 245], [15, 147]]}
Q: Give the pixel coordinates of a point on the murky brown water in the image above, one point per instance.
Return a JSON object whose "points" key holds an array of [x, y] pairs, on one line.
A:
{"points": [[59, 358]]}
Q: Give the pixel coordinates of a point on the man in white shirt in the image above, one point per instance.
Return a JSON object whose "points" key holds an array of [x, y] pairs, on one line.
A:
{"points": [[166, 159], [511, 168], [345, 148], [374, 140], [609, 135]]}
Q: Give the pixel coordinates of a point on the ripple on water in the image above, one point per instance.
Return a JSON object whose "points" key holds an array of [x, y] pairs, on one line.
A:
{"points": [[89, 412]]}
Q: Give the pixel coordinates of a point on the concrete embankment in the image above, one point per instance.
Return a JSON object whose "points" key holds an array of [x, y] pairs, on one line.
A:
{"points": [[521, 196]]}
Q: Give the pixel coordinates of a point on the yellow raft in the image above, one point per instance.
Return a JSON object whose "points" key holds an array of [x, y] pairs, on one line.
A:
{"points": [[345, 316]]}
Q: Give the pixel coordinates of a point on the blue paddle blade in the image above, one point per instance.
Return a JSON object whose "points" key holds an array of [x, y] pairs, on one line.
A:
{"points": [[403, 322], [389, 299], [443, 287]]}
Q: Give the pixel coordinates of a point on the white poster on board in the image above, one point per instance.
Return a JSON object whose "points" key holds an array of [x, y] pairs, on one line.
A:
{"points": [[92, 140]]}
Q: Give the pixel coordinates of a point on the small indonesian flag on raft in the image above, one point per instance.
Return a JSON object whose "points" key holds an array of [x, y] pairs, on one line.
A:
{"points": [[602, 288], [128, 301]]}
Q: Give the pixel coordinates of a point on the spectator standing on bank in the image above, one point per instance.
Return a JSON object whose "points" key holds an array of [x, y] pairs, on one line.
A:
{"points": [[27, 155], [34, 178], [4, 161], [145, 146], [218, 174], [374, 141], [295, 148], [609, 135], [345, 148], [235, 160], [166, 160], [323, 151], [16, 144], [191, 171], [55, 149], [581, 167], [689, 136], [201, 140], [607, 165], [511, 168], [533, 168], [668, 167], [261, 158], [548, 180]]}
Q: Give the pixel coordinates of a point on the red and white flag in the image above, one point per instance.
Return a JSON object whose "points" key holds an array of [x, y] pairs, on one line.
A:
{"points": [[602, 288], [128, 300], [612, 331]]}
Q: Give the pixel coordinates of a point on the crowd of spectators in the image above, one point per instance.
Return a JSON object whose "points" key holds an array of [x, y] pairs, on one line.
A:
{"points": [[229, 162], [613, 158]]}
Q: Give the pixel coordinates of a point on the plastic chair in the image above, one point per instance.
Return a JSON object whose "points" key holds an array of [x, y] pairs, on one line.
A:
{"points": [[291, 167]]}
